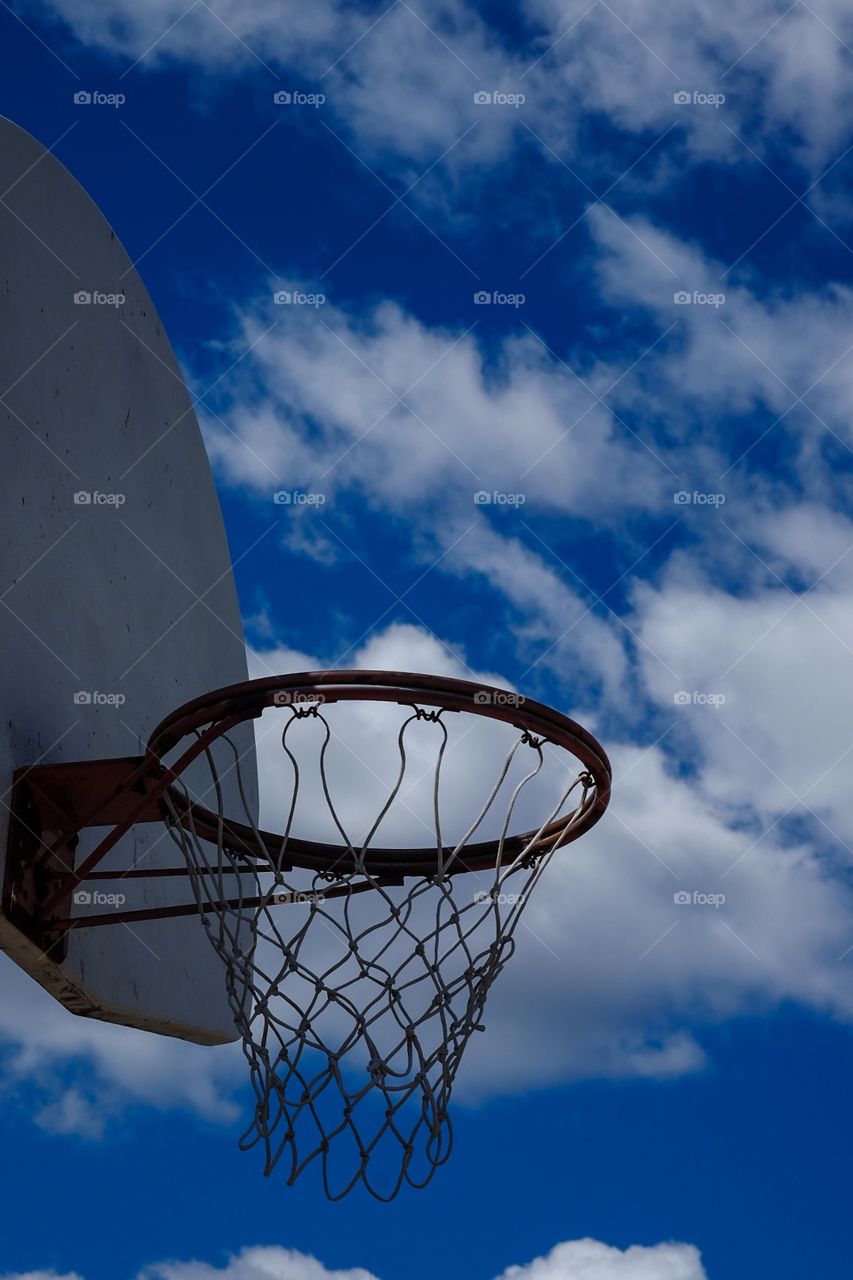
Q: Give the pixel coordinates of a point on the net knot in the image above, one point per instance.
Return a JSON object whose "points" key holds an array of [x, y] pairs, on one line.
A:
{"points": [[433, 716], [309, 709]]}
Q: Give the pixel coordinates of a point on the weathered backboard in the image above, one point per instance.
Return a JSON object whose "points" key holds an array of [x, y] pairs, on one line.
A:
{"points": [[116, 595]]}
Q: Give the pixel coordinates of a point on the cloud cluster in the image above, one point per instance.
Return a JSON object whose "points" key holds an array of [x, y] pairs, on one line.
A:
{"points": [[325, 397], [78, 1074], [614, 974], [420, 425], [572, 1260], [591, 1260], [42, 1275], [255, 1263], [402, 80], [760, 347]]}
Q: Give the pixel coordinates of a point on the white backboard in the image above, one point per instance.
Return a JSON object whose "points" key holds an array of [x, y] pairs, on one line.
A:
{"points": [[127, 596]]}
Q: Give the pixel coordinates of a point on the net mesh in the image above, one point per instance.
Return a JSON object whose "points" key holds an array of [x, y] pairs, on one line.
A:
{"points": [[355, 996]]}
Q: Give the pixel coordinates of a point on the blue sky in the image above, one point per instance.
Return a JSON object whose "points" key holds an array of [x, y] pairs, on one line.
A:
{"points": [[669, 392]]}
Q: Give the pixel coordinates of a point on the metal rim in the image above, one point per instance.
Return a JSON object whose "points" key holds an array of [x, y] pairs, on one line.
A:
{"points": [[215, 713]]}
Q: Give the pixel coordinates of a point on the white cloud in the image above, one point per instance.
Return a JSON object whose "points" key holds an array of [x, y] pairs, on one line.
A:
{"points": [[316, 402], [572, 1260], [612, 977], [41, 1275], [805, 538], [550, 613], [257, 1263], [72, 1113], [782, 63], [426, 59], [415, 416], [591, 1260], [405, 83], [417, 419], [781, 740], [761, 347], [168, 31], [81, 1073]]}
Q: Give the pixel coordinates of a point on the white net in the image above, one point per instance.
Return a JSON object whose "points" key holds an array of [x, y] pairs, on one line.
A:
{"points": [[356, 988]]}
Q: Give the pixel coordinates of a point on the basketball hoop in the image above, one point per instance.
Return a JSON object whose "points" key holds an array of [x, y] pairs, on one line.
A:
{"points": [[356, 972]]}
